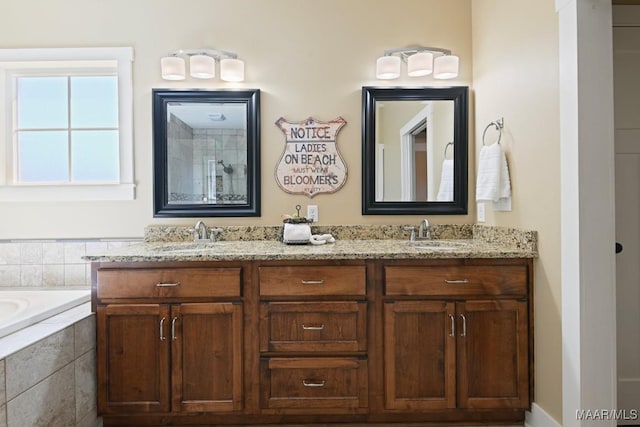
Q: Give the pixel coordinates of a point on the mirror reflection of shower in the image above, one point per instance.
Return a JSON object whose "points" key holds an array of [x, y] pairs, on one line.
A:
{"points": [[228, 169]]}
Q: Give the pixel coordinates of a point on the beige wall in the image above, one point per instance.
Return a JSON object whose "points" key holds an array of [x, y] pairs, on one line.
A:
{"points": [[308, 58], [515, 76], [311, 58]]}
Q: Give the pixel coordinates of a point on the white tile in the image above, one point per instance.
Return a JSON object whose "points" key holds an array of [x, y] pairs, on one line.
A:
{"points": [[3, 416], [53, 253], [75, 274], [31, 275], [73, 252], [9, 275], [86, 385], [27, 367], [31, 253], [49, 403], [53, 275], [9, 253], [96, 248]]}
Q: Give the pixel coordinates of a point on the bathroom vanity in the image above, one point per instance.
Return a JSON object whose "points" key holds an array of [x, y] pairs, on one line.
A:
{"points": [[362, 331]]}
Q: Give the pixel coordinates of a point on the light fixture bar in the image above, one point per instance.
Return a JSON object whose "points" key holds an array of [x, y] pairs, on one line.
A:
{"points": [[202, 64], [405, 52], [420, 60]]}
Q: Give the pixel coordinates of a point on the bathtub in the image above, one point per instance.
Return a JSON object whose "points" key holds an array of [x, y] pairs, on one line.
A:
{"points": [[25, 307]]}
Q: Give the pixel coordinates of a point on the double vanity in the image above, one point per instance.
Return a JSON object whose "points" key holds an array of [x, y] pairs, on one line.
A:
{"points": [[373, 328]]}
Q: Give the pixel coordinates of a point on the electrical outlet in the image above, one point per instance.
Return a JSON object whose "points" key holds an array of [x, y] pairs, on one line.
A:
{"points": [[312, 212], [481, 212]]}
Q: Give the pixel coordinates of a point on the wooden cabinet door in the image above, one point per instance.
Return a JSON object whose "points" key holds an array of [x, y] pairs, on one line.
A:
{"points": [[133, 356], [207, 357], [419, 355], [493, 370]]}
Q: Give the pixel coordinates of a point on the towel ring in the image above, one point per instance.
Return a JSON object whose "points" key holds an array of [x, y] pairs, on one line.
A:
{"points": [[446, 147], [498, 124]]}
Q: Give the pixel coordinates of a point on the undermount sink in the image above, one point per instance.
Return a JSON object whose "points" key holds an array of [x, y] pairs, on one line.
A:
{"points": [[441, 245]]}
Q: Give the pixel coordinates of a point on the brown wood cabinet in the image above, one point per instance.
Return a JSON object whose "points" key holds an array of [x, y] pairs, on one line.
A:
{"points": [[312, 342], [464, 333], [169, 356]]}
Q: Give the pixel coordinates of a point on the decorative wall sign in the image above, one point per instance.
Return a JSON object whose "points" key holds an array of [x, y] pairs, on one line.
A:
{"points": [[311, 163]]}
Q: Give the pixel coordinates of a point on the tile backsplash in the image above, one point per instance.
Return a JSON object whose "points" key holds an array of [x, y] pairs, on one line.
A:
{"points": [[51, 263]]}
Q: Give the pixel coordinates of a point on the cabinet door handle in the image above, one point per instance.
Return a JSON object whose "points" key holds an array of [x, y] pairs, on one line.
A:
{"points": [[162, 337], [456, 282], [313, 383], [464, 326], [313, 327], [167, 285], [173, 329], [453, 325], [312, 282]]}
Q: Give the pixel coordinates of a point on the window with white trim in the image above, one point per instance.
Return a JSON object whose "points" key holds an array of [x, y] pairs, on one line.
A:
{"points": [[67, 115]]}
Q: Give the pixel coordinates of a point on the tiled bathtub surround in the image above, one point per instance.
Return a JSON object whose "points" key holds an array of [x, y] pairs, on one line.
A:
{"points": [[50, 263], [50, 379]]}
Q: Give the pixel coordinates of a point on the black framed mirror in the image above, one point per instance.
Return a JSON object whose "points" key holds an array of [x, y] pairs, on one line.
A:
{"points": [[206, 153], [414, 150]]}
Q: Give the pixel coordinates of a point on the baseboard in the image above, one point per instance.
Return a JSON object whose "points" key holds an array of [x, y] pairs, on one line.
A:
{"points": [[538, 417]]}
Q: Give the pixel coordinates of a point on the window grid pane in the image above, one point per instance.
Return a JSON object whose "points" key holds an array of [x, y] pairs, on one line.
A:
{"points": [[48, 106]]}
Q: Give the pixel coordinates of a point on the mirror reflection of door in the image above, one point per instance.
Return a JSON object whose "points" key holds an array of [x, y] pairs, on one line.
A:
{"points": [[419, 176], [414, 136]]}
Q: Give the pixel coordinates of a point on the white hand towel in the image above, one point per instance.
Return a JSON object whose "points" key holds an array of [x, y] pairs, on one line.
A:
{"points": [[493, 183], [445, 193]]}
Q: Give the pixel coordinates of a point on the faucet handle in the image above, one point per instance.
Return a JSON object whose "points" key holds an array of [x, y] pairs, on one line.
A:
{"points": [[413, 232], [213, 233]]}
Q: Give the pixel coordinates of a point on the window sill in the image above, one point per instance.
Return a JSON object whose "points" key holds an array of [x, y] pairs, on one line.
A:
{"points": [[66, 193]]}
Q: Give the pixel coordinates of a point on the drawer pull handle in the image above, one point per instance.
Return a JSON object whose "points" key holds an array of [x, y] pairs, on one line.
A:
{"points": [[313, 383], [453, 325], [464, 326], [456, 282], [162, 337], [173, 329], [167, 285], [313, 327], [313, 282]]}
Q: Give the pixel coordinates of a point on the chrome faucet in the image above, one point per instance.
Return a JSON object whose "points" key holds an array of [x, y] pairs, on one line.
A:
{"points": [[205, 234], [424, 232], [201, 231]]}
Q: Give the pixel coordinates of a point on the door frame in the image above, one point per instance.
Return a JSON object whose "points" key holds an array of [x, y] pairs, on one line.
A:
{"points": [[588, 208]]}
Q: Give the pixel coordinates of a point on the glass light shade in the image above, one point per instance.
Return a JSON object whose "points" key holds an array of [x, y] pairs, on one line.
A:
{"points": [[231, 70], [388, 67], [172, 68], [420, 64], [446, 67], [202, 66]]}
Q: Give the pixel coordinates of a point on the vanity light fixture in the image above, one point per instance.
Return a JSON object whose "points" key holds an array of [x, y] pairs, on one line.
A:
{"points": [[421, 61], [202, 65]]}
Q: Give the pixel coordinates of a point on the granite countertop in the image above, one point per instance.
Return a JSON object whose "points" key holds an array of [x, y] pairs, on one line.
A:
{"points": [[472, 243]]}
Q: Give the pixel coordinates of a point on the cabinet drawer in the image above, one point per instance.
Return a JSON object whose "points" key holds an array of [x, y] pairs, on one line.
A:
{"points": [[313, 383], [170, 282], [312, 281], [313, 326], [456, 280]]}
